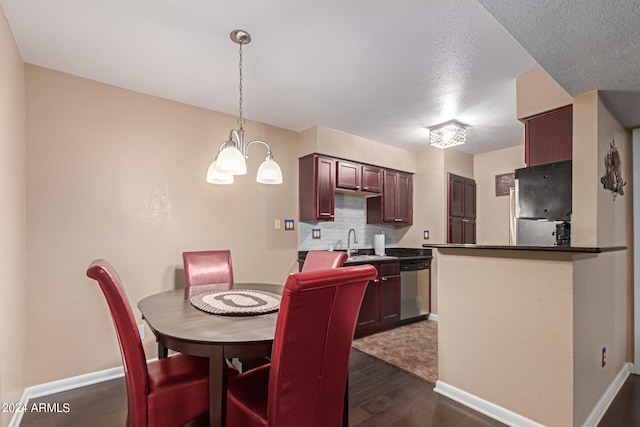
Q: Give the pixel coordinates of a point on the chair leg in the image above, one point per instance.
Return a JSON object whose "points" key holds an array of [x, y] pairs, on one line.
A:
{"points": [[162, 351], [345, 408]]}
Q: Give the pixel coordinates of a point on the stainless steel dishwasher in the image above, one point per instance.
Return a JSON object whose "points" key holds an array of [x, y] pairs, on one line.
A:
{"points": [[415, 290]]}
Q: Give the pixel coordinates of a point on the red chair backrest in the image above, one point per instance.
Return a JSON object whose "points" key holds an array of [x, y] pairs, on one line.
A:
{"points": [[320, 260], [131, 350], [207, 267], [312, 344]]}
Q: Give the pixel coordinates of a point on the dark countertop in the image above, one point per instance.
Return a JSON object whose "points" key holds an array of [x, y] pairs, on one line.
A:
{"points": [[561, 249], [402, 254]]}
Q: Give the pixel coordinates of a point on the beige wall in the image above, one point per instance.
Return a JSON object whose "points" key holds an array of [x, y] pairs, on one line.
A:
{"points": [[614, 227], [12, 219], [458, 163], [602, 284], [602, 306], [492, 224], [585, 179], [429, 201], [505, 330], [119, 175], [332, 142], [537, 92]]}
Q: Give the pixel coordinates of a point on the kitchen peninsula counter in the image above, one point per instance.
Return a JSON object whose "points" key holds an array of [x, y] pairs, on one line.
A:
{"points": [[519, 330], [566, 249]]}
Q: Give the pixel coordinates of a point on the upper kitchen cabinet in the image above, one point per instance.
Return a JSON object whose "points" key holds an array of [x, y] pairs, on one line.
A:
{"points": [[389, 192], [548, 136], [348, 175], [396, 203], [371, 179], [358, 177], [316, 186]]}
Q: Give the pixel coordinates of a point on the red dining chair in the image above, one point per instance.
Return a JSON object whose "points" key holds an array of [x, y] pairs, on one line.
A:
{"points": [[207, 267], [305, 384], [204, 268], [319, 260], [168, 392]]}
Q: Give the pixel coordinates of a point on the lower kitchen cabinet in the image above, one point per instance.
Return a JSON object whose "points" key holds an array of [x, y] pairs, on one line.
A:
{"points": [[380, 308]]}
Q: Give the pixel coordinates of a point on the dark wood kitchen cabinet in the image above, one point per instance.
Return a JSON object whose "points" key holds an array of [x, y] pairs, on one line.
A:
{"points": [[389, 192], [461, 210], [396, 202], [380, 308], [548, 137], [358, 177], [371, 179], [348, 175], [316, 187]]}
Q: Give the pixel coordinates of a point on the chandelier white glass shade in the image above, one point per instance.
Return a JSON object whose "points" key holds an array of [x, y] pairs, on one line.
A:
{"points": [[215, 177], [447, 135], [231, 156]]}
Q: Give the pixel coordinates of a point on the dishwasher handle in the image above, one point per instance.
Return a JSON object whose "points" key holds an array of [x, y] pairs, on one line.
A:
{"points": [[414, 265]]}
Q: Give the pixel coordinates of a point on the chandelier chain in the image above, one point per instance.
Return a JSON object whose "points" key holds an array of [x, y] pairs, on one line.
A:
{"points": [[240, 118]]}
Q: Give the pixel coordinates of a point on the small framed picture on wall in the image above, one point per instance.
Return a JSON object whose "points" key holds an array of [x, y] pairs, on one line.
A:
{"points": [[504, 183]]}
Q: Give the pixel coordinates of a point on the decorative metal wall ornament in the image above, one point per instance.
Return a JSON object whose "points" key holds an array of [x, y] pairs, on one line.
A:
{"points": [[612, 179]]}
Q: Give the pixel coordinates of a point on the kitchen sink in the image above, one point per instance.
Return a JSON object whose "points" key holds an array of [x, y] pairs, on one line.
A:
{"points": [[364, 258]]}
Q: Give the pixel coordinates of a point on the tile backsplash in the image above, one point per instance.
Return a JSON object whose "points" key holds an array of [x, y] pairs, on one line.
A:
{"points": [[350, 212]]}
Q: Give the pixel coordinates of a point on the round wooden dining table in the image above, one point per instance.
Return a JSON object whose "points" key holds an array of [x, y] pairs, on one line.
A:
{"points": [[181, 327]]}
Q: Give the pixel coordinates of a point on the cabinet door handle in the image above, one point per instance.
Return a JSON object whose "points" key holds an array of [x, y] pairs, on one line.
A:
{"points": [[465, 220], [398, 219], [384, 278], [376, 280]]}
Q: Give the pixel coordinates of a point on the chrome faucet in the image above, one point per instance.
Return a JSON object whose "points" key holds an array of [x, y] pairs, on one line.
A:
{"points": [[355, 240]]}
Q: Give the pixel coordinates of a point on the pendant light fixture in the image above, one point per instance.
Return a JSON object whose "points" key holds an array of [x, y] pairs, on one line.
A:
{"points": [[232, 153]]}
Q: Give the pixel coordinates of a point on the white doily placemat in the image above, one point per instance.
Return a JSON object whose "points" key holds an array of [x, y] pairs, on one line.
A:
{"points": [[239, 302]]}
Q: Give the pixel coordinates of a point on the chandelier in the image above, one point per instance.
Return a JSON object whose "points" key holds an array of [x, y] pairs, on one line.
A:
{"points": [[447, 135], [230, 159]]}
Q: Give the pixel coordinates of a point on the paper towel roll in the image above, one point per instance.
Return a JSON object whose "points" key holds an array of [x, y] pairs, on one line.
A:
{"points": [[378, 243]]}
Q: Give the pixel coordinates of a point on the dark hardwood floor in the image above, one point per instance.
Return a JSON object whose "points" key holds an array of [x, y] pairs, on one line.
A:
{"points": [[379, 395], [625, 408]]}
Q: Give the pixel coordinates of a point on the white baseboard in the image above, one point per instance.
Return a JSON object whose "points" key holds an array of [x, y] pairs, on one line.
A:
{"points": [[483, 406], [64, 385], [512, 419], [433, 316], [605, 401]]}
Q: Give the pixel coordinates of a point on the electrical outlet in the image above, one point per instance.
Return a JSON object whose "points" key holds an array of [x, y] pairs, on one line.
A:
{"points": [[604, 356], [141, 331], [426, 234]]}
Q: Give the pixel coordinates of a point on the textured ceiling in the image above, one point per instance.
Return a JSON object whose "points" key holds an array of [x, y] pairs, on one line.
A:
{"points": [[382, 70], [584, 45]]}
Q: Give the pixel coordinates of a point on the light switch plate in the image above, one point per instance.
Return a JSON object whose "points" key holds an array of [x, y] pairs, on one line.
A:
{"points": [[276, 224]]}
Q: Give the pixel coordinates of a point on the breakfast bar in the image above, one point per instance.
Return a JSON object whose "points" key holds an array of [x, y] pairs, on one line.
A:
{"points": [[520, 336]]}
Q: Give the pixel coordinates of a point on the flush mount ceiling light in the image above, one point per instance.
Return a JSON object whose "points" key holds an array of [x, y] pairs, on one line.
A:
{"points": [[447, 135], [232, 153]]}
